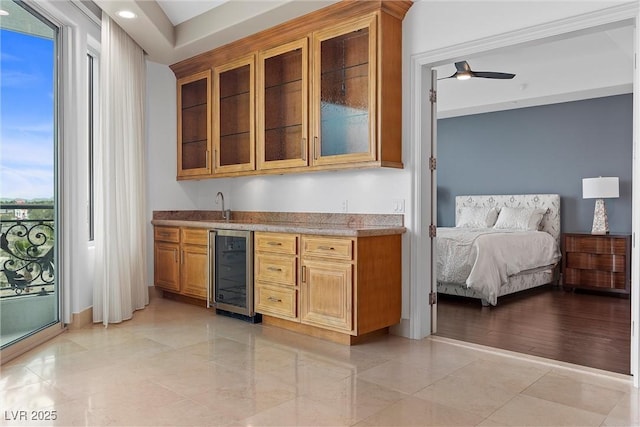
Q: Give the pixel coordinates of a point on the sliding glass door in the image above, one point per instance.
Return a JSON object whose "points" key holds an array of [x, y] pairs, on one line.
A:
{"points": [[29, 286]]}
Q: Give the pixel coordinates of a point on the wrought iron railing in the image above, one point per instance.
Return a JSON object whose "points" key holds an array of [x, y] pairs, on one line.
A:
{"points": [[27, 265]]}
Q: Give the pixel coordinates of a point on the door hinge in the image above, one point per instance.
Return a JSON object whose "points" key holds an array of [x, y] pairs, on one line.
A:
{"points": [[433, 298], [433, 96], [432, 231], [432, 163]]}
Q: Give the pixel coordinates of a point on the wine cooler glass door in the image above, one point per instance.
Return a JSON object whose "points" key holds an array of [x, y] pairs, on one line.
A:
{"points": [[232, 270]]}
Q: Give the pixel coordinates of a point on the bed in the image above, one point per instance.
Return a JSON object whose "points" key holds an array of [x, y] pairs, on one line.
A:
{"points": [[501, 244]]}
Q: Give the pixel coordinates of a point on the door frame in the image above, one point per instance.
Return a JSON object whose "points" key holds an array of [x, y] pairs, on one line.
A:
{"points": [[420, 140]]}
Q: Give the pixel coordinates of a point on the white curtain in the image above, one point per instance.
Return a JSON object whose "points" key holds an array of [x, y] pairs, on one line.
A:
{"points": [[120, 272]]}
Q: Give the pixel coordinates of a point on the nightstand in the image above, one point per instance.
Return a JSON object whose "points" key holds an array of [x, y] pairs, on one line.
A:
{"points": [[597, 262]]}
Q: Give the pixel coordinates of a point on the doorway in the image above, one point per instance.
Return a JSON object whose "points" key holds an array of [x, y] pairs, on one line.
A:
{"points": [[29, 285], [420, 68]]}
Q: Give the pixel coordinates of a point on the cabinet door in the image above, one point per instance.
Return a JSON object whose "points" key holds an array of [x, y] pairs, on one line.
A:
{"points": [[195, 271], [282, 94], [326, 294], [166, 269], [194, 125], [344, 93], [233, 117]]}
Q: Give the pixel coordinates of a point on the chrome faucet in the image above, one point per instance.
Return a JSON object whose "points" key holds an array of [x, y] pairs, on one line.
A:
{"points": [[226, 214]]}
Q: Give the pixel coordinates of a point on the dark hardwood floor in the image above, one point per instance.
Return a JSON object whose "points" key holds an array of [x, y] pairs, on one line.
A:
{"points": [[582, 328]]}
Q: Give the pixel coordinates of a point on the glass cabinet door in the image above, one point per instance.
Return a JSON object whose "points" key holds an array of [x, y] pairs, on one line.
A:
{"points": [[233, 119], [344, 93], [194, 126], [282, 106]]}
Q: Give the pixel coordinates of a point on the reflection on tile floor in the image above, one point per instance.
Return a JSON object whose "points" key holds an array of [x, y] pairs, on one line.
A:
{"points": [[179, 365]]}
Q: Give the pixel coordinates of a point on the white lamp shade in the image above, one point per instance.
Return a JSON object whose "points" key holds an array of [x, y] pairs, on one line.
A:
{"points": [[603, 187]]}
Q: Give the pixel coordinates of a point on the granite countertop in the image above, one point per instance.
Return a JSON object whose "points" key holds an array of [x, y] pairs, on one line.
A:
{"points": [[350, 225]]}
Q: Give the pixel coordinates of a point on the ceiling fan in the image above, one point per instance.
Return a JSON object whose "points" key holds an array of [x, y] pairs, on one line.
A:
{"points": [[464, 72]]}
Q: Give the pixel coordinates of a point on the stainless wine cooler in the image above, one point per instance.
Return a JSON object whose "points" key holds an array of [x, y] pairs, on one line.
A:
{"points": [[231, 270]]}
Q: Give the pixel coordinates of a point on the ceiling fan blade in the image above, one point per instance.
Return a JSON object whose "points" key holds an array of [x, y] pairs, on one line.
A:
{"points": [[492, 75], [452, 76]]}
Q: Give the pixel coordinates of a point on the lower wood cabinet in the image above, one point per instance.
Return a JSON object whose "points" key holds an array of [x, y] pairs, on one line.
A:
{"points": [[346, 287], [326, 297], [276, 274], [181, 263]]}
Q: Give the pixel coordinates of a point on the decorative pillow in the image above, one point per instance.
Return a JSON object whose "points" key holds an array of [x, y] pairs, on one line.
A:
{"points": [[476, 217], [525, 219]]}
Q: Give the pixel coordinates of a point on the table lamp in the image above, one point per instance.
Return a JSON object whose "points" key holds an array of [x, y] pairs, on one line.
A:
{"points": [[600, 188]]}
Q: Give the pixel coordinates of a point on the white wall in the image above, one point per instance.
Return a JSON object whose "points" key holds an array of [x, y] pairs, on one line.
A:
{"points": [[428, 25]]}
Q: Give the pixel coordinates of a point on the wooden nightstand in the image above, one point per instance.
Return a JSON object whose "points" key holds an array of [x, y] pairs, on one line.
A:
{"points": [[597, 262]]}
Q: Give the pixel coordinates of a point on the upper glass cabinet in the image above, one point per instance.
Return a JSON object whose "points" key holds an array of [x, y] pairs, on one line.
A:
{"points": [[233, 121], [282, 119], [344, 79], [194, 125]]}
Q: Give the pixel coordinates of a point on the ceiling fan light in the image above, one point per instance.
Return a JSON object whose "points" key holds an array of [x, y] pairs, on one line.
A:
{"points": [[464, 75]]}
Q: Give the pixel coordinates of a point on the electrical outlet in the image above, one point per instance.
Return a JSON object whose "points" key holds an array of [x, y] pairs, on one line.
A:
{"points": [[344, 206], [398, 205]]}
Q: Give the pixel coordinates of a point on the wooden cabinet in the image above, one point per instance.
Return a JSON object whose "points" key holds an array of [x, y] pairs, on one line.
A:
{"points": [[181, 260], [276, 274], [597, 262], [282, 106], [326, 93], [194, 125], [344, 93], [166, 254], [233, 121], [327, 282], [194, 268], [344, 288]]}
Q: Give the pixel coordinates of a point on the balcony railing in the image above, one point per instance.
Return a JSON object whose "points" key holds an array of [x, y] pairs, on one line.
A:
{"points": [[27, 265]]}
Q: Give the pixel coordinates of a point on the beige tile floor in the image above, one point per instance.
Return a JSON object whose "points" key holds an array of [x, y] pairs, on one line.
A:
{"points": [[178, 365]]}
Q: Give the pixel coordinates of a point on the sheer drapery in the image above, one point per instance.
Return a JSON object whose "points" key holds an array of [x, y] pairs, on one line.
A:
{"points": [[120, 274]]}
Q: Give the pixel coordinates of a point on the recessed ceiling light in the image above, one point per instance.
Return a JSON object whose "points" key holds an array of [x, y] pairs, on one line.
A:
{"points": [[3, 12], [127, 14]]}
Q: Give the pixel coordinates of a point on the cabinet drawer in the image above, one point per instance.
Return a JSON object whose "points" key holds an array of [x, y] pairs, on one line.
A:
{"points": [[195, 236], [276, 243], [327, 247], [276, 301], [595, 244], [166, 234], [593, 278], [279, 269], [604, 262]]}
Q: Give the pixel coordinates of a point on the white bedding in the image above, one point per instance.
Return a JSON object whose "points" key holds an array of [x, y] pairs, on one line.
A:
{"points": [[484, 259]]}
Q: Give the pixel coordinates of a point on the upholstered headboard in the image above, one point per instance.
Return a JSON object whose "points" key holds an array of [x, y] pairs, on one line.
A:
{"points": [[551, 202]]}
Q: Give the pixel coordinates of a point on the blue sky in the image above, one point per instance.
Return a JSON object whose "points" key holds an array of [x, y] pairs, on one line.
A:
{"points": [[26, 116]]}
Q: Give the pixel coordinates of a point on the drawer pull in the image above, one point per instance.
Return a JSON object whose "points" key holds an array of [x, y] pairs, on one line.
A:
{"points": [[274, 269], [326, 248], [274, 299], [274, 243], [165, 234], [304, 274]]}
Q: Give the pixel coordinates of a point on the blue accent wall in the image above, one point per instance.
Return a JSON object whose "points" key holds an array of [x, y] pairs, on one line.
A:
{"points": [[545, 149]]}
